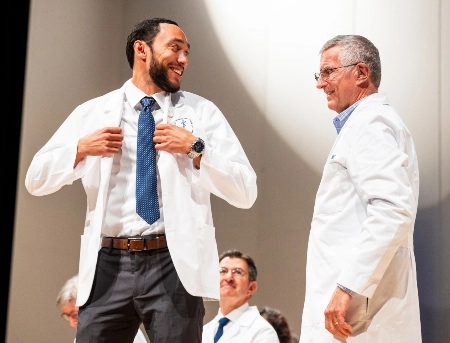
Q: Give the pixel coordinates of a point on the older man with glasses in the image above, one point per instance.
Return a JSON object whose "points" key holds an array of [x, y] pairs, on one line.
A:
{"points": [[236, 321], [361, 281]]}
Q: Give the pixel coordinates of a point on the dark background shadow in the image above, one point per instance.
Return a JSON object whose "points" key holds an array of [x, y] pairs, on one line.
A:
{"points": [[15, 37], [431, 237]]}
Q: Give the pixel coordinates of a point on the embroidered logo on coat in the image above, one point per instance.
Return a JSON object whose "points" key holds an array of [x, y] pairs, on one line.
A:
{"points": [[185, 123]]}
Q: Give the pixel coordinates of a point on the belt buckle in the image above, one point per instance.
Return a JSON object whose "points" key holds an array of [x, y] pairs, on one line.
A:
{"points": [[137, 239]]}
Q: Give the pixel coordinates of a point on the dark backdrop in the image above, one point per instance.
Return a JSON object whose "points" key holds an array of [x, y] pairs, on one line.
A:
{"points": [[15, 37]]}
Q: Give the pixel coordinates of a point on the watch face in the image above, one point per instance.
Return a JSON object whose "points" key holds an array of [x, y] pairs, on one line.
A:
{"points": [[198, 146]]}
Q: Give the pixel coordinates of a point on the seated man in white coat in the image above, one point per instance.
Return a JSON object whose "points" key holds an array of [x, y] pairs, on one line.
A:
{"points": [[236, 321]]}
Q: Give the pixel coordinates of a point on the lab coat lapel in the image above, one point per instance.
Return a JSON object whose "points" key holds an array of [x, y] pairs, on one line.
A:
{"points": [[112, 116], [244, 321]]}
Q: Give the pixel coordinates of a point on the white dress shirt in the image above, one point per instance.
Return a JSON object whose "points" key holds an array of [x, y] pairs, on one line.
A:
{"points": [[121, 218]]}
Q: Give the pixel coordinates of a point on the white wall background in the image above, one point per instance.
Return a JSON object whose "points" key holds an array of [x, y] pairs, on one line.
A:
{"points": [[255, 60]]}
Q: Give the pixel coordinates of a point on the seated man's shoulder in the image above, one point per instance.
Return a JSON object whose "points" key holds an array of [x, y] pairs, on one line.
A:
{"points": [[260, 321]]}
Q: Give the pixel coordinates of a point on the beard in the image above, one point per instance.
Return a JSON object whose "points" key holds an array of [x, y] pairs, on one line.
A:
{"points": [[158, 73]]}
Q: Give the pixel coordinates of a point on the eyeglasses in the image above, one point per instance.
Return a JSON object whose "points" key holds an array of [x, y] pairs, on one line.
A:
{"points": [[326, 72], [73, 315], [239, 272]]}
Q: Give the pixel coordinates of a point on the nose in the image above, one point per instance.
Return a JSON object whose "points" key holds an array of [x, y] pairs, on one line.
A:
{"points": [[73, 322], [229, 277], [320, 83], [183, 59]]}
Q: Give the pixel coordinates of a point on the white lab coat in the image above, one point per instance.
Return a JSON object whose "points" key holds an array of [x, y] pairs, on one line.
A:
{"points": [[247, 326], [225, 171], [362, 230]]}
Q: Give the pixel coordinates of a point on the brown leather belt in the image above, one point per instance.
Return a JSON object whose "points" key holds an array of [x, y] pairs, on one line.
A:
{"points": [[134, 243]]}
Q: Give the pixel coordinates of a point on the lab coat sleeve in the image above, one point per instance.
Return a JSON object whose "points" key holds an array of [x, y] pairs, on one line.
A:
{"points": [[53, 165], [225, 169], [377, 166]]}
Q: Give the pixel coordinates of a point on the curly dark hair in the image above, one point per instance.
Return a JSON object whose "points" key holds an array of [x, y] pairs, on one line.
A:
{"points": [[279, 323]]}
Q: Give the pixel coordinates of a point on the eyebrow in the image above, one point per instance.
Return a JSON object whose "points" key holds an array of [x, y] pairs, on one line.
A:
{"points": [[234, 268], [326, 68]]}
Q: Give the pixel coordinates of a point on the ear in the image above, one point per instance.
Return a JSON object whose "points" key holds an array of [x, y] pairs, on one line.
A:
{"points": [[363, 73], [252, 287], [140, 49]]}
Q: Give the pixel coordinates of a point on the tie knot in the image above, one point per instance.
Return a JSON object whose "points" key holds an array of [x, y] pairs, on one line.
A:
{"points": [[147, 101], [223, 321]]}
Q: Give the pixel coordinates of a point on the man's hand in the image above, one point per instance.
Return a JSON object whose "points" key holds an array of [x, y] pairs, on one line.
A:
{"points": [[103, 142], [335, 314], [172, 138]]}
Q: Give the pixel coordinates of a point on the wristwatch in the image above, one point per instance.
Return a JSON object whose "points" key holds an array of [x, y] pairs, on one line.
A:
{"points": [[197, 148]]}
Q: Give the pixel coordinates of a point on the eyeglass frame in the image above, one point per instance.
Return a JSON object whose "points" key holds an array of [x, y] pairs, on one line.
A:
{"points": [[234, 272], [71, 315], [318, 75]]}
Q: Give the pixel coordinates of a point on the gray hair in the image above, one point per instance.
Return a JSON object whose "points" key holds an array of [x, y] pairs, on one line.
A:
{"points": [[355, 49], [68, 292]]}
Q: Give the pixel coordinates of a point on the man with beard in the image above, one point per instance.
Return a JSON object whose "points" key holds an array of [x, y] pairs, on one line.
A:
{"points": [[148, 252]]}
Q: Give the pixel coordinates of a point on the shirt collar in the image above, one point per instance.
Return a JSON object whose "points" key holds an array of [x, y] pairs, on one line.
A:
{"points": [[342, 117], [134, 95], [236, 313]]}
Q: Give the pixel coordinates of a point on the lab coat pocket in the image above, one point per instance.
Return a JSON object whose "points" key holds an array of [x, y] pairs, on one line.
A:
{"points": [[329, 195]]}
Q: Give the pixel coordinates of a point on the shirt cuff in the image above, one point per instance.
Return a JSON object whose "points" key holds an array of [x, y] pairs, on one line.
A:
{"points": [[345, 289]]}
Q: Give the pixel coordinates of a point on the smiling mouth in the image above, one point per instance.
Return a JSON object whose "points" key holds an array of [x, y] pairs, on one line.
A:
{"points": [[177, 71]]}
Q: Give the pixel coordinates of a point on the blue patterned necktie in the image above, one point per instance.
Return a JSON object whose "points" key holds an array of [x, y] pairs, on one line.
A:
{"points": [[222, 322], [146, 184]]}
